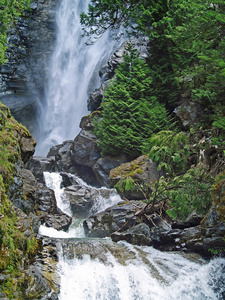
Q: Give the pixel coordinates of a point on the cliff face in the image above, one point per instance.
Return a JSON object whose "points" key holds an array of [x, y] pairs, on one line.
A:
{"points": [[29, 46]]}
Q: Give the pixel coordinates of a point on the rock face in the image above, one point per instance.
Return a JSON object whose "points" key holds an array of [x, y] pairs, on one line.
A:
{"points": [[41, 199], [104, 165], [29, 48]]}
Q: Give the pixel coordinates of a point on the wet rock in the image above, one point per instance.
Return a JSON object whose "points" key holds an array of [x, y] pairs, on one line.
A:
{"points": [[137, 235], [104, 165], [130, 176], [58, 222], [85, 150], [80, 200], [67, 179], [61, 154], [39, 164], [96, 249], [46, 199], [84, 200], [41, 200], [117, 217]]}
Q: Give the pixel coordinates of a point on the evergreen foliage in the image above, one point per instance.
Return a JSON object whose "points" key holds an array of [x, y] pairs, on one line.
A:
{"points": [[187, 46], [9, 13], [131, 113], [186, 62]]}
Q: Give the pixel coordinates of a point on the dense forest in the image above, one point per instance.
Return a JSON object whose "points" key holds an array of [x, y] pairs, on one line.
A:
{"points": [[185, 65]]}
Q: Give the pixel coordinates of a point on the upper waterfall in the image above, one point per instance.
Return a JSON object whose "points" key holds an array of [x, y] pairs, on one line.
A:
{"points": [[73, 75]]}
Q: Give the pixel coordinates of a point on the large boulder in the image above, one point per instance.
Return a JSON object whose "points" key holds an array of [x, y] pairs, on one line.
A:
{"points": [[137, 235], [86, 200], [38, 165], [118, 217], [135, 180], [84, 149]]}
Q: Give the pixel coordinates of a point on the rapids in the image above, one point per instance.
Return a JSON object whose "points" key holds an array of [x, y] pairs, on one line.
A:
{"points": [[93, 269]]}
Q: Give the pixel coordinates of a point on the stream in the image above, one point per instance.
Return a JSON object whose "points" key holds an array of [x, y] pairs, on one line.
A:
{"points": [[96, 268]]}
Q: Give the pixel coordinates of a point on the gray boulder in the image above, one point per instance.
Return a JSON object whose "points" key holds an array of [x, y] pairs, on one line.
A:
{"points": [[39, 164], [118, 217], [85, 150], [85, 200], [137, 235]]}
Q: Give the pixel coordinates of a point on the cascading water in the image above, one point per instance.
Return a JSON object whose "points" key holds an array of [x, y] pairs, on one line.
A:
{"points": [[96, 269], [73, 75]]}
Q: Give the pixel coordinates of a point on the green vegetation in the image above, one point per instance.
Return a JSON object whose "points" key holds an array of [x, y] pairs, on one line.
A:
{"points": [[15, 247], [9, 13], [130, 113], [186, 62], [187, 46]]}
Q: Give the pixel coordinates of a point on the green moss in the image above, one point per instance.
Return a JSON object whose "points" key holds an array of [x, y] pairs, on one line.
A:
{"points": [[14, 246]]}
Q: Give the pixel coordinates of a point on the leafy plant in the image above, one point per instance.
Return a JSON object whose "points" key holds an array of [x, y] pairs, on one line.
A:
{"points": [[169, 150]]}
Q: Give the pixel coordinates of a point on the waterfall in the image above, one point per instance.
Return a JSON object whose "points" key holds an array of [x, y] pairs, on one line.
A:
{"points": [[72, 77]]}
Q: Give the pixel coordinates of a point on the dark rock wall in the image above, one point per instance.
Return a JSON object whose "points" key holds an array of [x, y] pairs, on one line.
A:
{"points": [[30, 45]]}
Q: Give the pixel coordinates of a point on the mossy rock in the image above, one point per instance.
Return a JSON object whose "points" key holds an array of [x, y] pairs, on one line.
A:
{"points": [[135, 180]]}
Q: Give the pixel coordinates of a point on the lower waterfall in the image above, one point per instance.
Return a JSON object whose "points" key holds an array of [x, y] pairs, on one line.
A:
{"points": [[96, 268]]}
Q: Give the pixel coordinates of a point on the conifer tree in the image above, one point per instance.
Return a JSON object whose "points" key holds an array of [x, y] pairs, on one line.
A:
{"points": [[131, 113]]}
